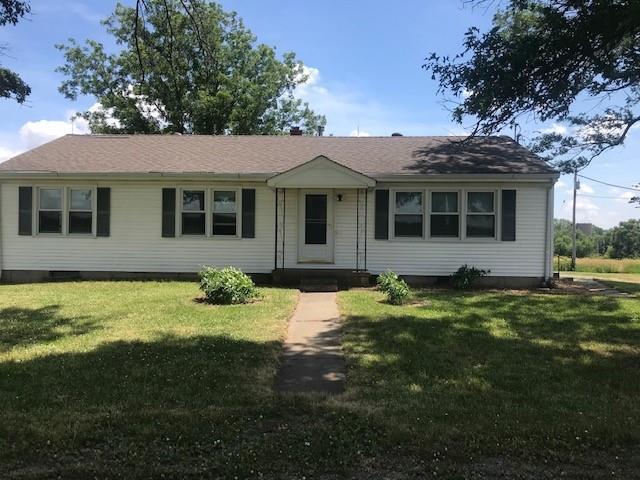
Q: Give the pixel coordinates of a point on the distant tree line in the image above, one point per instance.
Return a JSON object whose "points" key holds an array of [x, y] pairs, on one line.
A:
{"points": [[622, 241]]}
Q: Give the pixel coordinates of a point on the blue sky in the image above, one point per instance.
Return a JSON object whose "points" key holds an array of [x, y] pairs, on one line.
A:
{"points": [[364, 59]]}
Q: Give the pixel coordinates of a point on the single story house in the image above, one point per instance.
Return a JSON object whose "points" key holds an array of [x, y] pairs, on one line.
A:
{"points": [[110, 206]]}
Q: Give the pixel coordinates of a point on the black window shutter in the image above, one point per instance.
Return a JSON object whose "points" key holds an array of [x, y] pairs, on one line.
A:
{"points": [[382, 215], [248, 213], [25, 207], [168, 212], [508, 215], [104, 212]]}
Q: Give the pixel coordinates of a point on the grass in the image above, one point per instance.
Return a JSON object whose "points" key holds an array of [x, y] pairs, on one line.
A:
{"points": [[102, 377], [137, 380], [494, 374], [599, 265]]}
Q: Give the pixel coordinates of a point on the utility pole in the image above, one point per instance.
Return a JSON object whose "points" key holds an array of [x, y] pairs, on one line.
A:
{"points": [[573, 229]]}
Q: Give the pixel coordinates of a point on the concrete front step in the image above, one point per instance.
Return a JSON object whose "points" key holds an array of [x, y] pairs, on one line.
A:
{"points": [[299, 277], [318, 284]]}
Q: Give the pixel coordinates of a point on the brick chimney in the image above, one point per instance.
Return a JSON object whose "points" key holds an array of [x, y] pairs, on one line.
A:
{"points": [[295, 131]]}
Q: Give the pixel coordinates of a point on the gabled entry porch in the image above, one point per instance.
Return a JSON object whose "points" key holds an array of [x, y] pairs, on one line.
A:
{"points": [[321, 223]]}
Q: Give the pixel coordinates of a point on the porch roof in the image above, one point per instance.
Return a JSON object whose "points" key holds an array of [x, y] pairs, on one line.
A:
{"points": [[321, 172]]}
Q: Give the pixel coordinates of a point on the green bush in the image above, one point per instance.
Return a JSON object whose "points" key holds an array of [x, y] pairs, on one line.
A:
{"points": [[385, 279], [226, 286], [466, 276], [396, 289]]}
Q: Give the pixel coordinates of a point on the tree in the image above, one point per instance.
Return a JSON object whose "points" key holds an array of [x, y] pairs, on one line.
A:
{"points": [[625, 240], [185, 67], [537, 59], [11, 85]]}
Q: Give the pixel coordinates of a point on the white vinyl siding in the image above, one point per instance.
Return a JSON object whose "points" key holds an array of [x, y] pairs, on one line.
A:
{"points": [[136, 244], [442, 256]]}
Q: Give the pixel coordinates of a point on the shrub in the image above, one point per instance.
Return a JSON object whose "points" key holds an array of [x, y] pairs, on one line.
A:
{"points": [[385, 279], [465, 276], [226, 286], [397, 292], [396, 289]]}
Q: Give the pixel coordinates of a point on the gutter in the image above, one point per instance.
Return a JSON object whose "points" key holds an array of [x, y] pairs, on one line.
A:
{"points": [[264, 176], [1, 251]]}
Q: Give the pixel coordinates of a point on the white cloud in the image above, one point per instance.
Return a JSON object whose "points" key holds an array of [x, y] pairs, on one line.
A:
{"points": [[7, 153], [560, 185], [347, 109], [359, 133], [556, 128], [34, 133], [625, 197], [586, 188]]}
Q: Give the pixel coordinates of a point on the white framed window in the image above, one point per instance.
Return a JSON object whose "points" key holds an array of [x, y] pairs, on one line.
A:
{"points": [[224, 212], [444, 214], [408, 214], [193, 215], [50, 209], [481, 214], [80, 214]]}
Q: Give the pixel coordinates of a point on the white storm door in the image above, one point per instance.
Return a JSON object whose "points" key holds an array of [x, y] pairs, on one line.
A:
{"points": [[315, 226]]}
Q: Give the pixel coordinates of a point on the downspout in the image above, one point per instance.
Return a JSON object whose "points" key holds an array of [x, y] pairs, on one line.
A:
{"points": [[1, 252], [357, 229], [548, 248]]}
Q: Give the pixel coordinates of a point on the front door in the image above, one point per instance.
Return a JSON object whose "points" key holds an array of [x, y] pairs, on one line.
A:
{"points": [[315, 226]]}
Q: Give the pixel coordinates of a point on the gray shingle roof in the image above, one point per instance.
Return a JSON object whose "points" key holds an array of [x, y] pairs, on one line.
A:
{"points": [[374, 156]]}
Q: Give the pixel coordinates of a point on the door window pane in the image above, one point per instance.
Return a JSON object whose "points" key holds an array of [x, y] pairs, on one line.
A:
{"points": [[480, 202], [409, 202], [80, 200], [444, 202], [481, 226], [51, 199], [444, 225], [315, 232]]}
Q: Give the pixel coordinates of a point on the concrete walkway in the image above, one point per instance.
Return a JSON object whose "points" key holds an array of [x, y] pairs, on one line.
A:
{"points": [[594, 287], [312, 359]]}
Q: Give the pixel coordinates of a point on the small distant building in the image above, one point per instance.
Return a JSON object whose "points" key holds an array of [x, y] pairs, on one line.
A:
{"points": [[586, 228]]}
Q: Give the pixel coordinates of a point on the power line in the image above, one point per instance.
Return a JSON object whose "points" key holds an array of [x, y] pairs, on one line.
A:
{"points": [[609, 184], [600, 196]]}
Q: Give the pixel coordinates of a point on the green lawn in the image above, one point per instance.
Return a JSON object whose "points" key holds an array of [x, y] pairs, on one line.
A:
{"points": [[139, 380], [539, 378], [104, 377]]}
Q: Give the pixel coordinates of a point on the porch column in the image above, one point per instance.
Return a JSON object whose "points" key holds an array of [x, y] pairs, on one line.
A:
{"points": [[361, 229], [280, 208]]}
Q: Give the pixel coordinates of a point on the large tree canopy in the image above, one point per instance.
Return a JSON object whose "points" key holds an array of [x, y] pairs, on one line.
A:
{"points": [[187, 67], [11, 85], [539, 57]]}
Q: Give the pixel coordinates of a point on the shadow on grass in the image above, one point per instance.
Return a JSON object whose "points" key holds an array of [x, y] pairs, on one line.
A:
{"points": [[501, 372], [26, 326]]}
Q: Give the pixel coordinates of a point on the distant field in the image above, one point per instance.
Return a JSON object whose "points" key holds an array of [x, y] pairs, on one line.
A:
{"points": [[599, 265]]}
